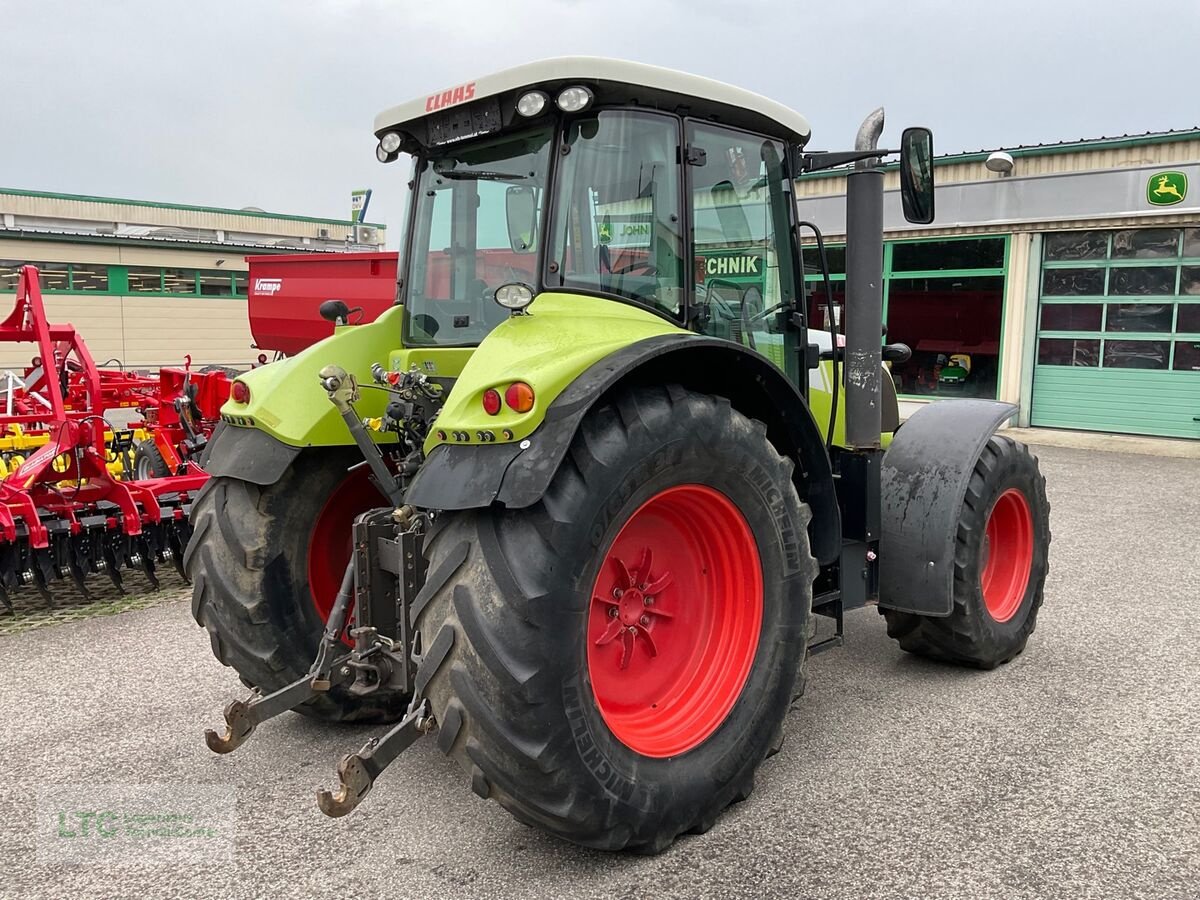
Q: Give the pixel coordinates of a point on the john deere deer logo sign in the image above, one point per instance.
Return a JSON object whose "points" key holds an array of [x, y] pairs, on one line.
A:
{"points": [[1166, 188]]}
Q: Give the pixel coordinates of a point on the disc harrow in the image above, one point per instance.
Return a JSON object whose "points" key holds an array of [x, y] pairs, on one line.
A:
{"points": [[71, 503]]}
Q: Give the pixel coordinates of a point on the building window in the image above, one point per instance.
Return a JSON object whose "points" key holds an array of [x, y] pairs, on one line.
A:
{"points": [[144, 280], [936, 256], [179, 281], [89, 277], [215, 284], [95, 278], [56, 277], [944, 299], [1126, 299], [953, 327]]}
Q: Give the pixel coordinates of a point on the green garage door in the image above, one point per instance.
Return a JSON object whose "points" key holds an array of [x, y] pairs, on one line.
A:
{"points": [[1118, 344]]}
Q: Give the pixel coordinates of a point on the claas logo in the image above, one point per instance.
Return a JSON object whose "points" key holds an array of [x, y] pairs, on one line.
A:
{"points": [[460, 94]]}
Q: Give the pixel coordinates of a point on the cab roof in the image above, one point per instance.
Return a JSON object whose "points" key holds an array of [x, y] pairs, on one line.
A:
{"points": [[613, 81]]}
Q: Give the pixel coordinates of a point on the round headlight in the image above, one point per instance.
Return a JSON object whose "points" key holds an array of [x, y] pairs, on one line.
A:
{"points": [[381, 154], [514, 296], [532, 103], [573, 99], [391, 141]]}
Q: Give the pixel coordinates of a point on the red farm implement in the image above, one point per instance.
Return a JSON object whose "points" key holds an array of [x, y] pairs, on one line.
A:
{"points": [[286, 293], [78, 503]]}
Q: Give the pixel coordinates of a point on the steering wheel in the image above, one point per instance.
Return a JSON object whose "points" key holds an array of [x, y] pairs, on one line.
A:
{"points": [[649, 269], [750, 313]]}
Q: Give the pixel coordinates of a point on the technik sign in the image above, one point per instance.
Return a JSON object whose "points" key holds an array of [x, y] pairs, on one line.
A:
{"points": [[734, 265]]}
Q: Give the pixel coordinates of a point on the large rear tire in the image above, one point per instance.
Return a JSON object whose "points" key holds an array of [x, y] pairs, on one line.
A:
{"points": [[1000, 563], [266, 564], [613, 663]]}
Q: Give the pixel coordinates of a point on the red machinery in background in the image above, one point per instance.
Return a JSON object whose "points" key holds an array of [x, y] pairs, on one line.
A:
{"points": [[66, 510], [286, 292]]}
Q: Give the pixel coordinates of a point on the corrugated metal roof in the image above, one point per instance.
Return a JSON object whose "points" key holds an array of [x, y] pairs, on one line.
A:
{"points": [[1146, 137], [253, 212], [1080, 145]]}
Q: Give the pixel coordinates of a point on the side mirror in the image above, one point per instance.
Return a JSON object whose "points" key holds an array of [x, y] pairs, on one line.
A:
{"points": [[916, 175], [520, 211]]}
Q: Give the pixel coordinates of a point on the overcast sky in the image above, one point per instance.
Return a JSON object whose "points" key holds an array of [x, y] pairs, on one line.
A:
{"points": [[270, 103]]}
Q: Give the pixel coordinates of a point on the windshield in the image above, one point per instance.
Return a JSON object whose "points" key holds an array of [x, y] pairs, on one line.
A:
{"points": [[463, 247]]}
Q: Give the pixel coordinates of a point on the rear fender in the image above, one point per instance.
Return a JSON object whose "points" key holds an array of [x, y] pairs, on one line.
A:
{"points": [[517, 475], [926, 471]]}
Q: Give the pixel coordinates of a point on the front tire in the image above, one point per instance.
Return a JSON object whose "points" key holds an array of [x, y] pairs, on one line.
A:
{"points": [[1000, 563], [265, 564], [566, 695]]}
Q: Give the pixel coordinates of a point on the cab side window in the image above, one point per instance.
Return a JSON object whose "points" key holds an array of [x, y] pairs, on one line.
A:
{"points": [[617, 229], [743, 260]]}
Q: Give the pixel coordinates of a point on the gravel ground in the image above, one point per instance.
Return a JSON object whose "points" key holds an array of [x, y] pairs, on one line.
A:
{"points": [[1072, 772]]}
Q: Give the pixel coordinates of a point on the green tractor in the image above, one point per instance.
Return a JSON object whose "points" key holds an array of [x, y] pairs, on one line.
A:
{"points": [[571, 506]]}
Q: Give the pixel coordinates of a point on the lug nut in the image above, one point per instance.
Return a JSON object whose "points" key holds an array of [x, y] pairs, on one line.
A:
{"points": [[617, 592], [649, 601], [612, 612], [633, 629], [645, 620]]}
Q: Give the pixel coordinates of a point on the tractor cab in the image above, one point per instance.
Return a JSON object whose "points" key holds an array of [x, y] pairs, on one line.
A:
{"points": [[664, 191]]}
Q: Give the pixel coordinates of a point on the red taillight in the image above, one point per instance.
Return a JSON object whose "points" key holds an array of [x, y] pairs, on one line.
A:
{"points": [[519, 397], [491, 402], [240, 392]]}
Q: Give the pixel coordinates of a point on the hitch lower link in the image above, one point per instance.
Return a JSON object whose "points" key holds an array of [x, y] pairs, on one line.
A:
{"points": [[375, 662]]}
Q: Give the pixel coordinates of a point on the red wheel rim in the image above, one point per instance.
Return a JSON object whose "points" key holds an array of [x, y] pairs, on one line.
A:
{"points": [[674, 620], [1007, 555], [330, 544]]}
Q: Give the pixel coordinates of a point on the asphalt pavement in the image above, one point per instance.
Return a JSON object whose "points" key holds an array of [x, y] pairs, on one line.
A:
{"points": [[1072, 772]]}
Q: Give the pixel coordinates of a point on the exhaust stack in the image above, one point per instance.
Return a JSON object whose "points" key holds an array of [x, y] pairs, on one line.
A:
{"points": [[864, 291]]}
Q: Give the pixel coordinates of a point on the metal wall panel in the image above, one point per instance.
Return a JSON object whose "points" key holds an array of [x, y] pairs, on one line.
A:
{"points": [[1125, 401], [1030, 165]]}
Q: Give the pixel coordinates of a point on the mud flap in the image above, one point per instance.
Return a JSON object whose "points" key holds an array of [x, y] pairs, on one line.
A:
{"points": [[248, 454], [926, 471]]}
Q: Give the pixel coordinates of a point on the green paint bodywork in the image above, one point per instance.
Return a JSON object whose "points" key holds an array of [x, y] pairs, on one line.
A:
{"points": [[562, 336], [287, 401]]}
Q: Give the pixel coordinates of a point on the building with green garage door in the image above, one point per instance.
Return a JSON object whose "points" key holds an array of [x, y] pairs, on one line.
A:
{"points": [[1064, 278], [1118, 342]]}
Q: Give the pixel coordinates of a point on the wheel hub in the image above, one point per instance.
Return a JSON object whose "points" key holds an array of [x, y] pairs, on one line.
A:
{"points": [[1006, 555], [674, 620], [632, 606]]}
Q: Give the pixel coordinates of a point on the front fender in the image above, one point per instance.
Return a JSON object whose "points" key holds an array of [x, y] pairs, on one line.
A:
{"points": [[925, 475]]}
